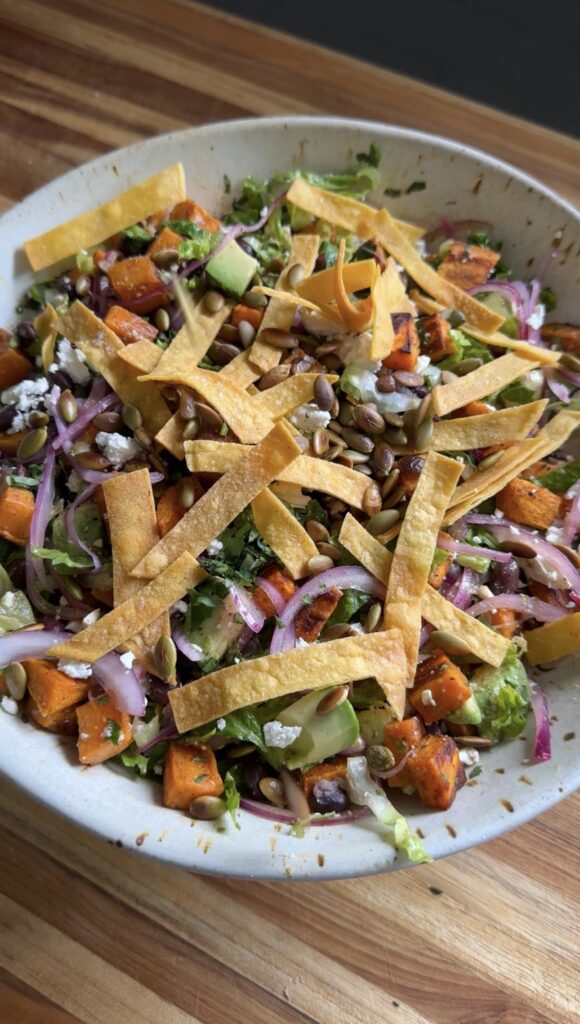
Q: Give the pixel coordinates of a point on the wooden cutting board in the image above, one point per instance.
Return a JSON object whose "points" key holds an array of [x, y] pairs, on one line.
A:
{"points": [[93, 933]]}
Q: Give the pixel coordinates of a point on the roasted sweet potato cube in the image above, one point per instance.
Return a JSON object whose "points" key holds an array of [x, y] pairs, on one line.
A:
{"points": [[328, 771], [400, 738], [166, 239], [467, 266], [137, 283], [529, 504], [51, 689], [16, 511], [405, 350], [190, 771], [104, 731], [438, 343], [438, 574], [436, 771], [63, 722], [504, 621], [188, 210], [247, 313], [14, 366], [128, 326], [170, 509], [567, 334], [473, 409], [283, 584], [9, 442], [440, 688], [312, 617]]}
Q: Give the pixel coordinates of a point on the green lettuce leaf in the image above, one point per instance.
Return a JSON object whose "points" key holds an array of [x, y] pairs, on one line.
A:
{"points": [[365, 792], [15, 609], [562, 478], [60, 558], [465, 348], [349, 604], [503, 696], [89, 526], [231, 796]]}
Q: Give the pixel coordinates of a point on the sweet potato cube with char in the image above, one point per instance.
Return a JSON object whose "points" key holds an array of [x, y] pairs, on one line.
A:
{"points": [[188, 210], [282, 583], [328, 771], [128, 326], [189, 772], [14, 366], [436, 771], [440, 688], [529, 504], [16, 511], [438, 574], [467, 266], [567, 334], [475, 408], [312, 617], [400, 738], [170, 509], [104, 731], [137, 283], [504, 621], [9, 442], [51, 689], [62, 722], [251, 316], [166, 239], [438, 343], [405, 350]]}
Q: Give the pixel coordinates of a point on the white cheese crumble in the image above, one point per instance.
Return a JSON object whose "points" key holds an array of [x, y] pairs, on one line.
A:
{"points": [[92, 617], [127, 659], [420, 247], [280, 736], [26, 397], [308, 418], [75, 669], [214, 548], [422, 363], [556, 534], [220, 724], [8, 599], [180, 607], [117, 448], [541, 571], [72, 362], [74, 482], [537, 316], [110, 730], [482, 592], [469, 756], [427, 699], [301, 642], [9, 705]]}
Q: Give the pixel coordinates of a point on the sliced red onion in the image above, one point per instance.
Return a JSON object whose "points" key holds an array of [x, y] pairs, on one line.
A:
{"points": [[426, 630], [191, 651], [572, 520], [464, 594], [167, 732], [71, 530], [469, 549], [542, 744], [287, 817], [66, 435], [272, 592], [121, 684], [358, 747], [29, 643], [505, 530], [570, 375], [556, 386], [393, 771], [38, 525], [345, 577], [528, 607], [252, 615]]}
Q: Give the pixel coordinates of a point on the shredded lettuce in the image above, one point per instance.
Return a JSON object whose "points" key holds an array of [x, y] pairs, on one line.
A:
{"points": [[364, 791], [465, 348], [60, 558], [89, 526], [503, 696], [15, 609], [232, 797], [562, 478]]}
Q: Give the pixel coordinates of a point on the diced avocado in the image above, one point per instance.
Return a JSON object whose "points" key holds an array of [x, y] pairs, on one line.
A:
{"points": [[372, 724], [232, 269], [218, 631], [322, 736], [501, 305], [468, 714]]}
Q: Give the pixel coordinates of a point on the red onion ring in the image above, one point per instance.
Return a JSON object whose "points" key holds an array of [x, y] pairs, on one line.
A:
{"points": [[504, 531], [252, 615], [468, 549], [287, 817], [191, 651], [278, 602], [529, 607]]}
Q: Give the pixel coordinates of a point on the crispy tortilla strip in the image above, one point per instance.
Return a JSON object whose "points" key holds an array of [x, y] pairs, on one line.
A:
{"points": [[102, 349], [503, 427], [345, 213], [554, 640], [483, 641], [290, 393], [384, 294], [498, 340], [46, 327], [133, 531], [484, 483], [308, 472], [133, 615], [199, 331], [481, 382], [88, 229], [307, 668], [291, 299], [224, 501], [241, 370], [319, 288], [247, 420], [415, 549], [282, 531], [142, 355], [280, 312]]}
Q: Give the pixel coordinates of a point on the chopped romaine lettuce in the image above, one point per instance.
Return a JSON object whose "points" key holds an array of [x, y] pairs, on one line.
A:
{"points": [[231, 796], [562, 478], [89, 526], [60, 558], [362, 790], [465, 348], [503, 696], [349, 604], [15, 610]]}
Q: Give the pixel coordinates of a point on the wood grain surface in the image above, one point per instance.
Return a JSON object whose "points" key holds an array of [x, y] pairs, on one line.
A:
{"points": [[93, 933]]}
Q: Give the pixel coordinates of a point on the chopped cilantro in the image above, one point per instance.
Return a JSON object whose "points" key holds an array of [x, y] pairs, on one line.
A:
{"points": [[372, 158], [103, 699], [474, 772], [392, 193], [231, 796], [307, 599], [227, 184], [548, 299], [200, 778], [113, 731], [137, 233], [416, 186]]}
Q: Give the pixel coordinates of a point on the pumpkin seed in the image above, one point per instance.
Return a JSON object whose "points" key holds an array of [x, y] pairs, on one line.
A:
{"points": [[187, 405], [157, 464], [570, 553], [382, 458], [423, 434], [15, 678], [274, 376], [131, 417], [228, 332], [335, 437], [279, 338], [393, 419], [355, 458], [213, 301], [367, 418], [247, 333], [272, 790], [191, 429], [143, 438], [365, 470], [334, 411], [39, 419], [518, 548], [338, 631], [186, 492], [380, 759], [319, 563], [295, 796], [170, 393], [32, 443], [331, 701], [162, 321], [165, 257], [390, 482], [323, 393], [222, 352], [473, 741], [207, 808], [67, 407], [447, 377], [329, 348], [386, 384], [373, 617], [397, 438], [448, 642], [92, 460], [490, 460], [316, 530], [382, 521], [360, 442], [372, 500], [83, 285], [69, 587], [208, 416], [255, 300], [409, 379], [334, 451], [165, 657], [329, 550], [394, 498], [320, 441], [570, 361], [346, 414], [294, 275], [468, 365]]}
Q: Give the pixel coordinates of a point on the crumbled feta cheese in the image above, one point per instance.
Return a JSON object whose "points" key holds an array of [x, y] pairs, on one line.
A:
{"points": [[308, 418], [498, 513], [180, 607], [482, 592], [537, 316], [72, 362], [91, 617], [220, 724], [75, 669], [8, 599], [26, 397], [9, 705], [301, 642], [83, 736], [541, 571], [127, 659], [556, 535], [469, 756], [74, 482], [427, 699], [421, 247], [422, 363], [117, 448], [280, 736], [214, 548], [534, 380]]}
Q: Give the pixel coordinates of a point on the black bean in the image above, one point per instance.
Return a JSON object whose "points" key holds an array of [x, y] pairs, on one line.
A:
{"points": [[504, 577], [254, 770], [25, 331], [328, 795]]}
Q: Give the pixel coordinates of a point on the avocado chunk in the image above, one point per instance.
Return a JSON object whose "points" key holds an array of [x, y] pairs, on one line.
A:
{"points": [[322, 736], [218, 631], [468, 714], [232, 269], [372, 725]]}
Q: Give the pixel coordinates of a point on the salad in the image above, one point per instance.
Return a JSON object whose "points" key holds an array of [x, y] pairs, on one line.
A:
{"points": [[286, 514]]}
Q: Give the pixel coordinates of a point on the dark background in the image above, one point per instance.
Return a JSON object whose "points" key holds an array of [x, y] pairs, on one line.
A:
{"points": [[521, 56]]}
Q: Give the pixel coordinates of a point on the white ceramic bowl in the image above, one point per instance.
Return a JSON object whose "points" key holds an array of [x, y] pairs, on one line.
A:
{"points": [[460, 183]]}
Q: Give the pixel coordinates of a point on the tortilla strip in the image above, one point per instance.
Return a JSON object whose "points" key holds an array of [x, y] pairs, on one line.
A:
{"points": [[197, 334], [247, 420], [483, 641], [134, 614], [147, 197], [383, 335], [241, 370], [488, 378], [553, 640], [280, 312], [46, 327], [345, 213], [133, 531], [143, 355], [282, 531], [497, 340], [414, 552], [224, 501], [102, 349], [291, 299], [303, 668], [290, 393], [319, 288], [307, 471], [502, 427]]}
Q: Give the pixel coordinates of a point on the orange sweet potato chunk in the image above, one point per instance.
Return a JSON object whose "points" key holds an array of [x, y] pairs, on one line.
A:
{"points": [[328, 771], [16, 510], [63, 722], [529, 504], [169, 508], [52, 690], [312, 617], [137, 283], [251, 316], [467, 266], [405, 343], [9, 442], [104, 731], [190, 771], [567, 334], [188, 210], [438, 342], [283, 584], [504, 621], [440, 688], [128, 326], [166, 239], [436, 771], [400, 737], [14, 366]]}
